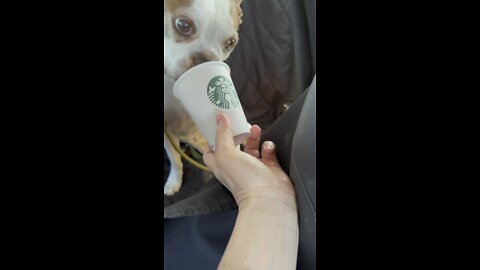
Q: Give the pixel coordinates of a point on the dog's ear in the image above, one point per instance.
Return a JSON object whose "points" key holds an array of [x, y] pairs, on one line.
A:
{"points": [[239, 10]]}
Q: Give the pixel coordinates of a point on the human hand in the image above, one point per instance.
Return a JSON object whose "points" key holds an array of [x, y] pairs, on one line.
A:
{"points": [[249, 177]]}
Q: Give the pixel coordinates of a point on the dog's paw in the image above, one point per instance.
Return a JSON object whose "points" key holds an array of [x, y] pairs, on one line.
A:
{"points": [[172, 187]]}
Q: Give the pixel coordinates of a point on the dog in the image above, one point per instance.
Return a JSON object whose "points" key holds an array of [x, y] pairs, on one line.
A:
{"points": [[195, 31]]}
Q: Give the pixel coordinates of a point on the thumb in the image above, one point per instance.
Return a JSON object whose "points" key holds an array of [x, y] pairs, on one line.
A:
{"points": [[224, 136], [269, 155]]}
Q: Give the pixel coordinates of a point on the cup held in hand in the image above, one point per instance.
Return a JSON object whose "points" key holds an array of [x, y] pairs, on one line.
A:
{"points": [[207, 89]]}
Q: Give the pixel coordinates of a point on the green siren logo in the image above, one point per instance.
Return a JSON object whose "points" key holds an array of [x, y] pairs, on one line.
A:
{"points": [[221, 93]]}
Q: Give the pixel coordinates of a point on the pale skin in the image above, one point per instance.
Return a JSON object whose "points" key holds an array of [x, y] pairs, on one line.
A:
{"points": [[265, 235]]}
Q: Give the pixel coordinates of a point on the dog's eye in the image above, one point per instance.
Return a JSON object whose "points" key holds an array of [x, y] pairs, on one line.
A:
{"points": [[229, 44], [184, 26]]}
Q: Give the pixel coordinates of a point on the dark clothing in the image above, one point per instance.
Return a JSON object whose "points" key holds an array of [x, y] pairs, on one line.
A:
{"points": [[197, 242]]}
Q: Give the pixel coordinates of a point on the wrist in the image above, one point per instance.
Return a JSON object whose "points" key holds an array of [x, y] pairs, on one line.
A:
{"points": [[271, 200]]}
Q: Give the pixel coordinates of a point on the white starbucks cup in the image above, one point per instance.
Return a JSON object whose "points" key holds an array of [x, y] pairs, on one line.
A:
{"points": [[207, 89]]}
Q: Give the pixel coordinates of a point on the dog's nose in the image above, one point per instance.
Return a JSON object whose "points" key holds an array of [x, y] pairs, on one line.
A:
{"points": [[199, 58]]}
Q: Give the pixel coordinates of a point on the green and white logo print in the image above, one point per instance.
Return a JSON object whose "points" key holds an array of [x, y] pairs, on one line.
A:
{"points": [[222, 93]]}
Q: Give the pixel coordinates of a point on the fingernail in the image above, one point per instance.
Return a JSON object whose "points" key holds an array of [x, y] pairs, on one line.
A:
{"points": [[268, 145], [219, 117]]}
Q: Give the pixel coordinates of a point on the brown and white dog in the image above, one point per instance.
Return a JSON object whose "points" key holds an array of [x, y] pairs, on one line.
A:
{"points": [[196, 31]]}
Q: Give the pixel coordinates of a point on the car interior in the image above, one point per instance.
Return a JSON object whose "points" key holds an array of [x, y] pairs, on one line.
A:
{"points": [[273, 69]]}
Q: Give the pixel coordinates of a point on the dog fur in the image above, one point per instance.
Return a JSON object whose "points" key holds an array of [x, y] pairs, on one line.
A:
{"points": [[195, 31]]}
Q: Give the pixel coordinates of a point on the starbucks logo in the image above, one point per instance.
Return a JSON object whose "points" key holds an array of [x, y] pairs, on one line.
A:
{"points": [[222, 93]]}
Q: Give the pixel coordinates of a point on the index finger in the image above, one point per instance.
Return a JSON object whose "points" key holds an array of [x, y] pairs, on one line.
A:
{"points": [[224, 136], [253, 142]]}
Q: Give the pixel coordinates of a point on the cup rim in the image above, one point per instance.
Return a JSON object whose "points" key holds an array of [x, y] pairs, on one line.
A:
{"points": [[193, 69]]}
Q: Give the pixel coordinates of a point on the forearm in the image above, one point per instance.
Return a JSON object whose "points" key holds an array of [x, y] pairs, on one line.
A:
{"points": [[265, 236]]}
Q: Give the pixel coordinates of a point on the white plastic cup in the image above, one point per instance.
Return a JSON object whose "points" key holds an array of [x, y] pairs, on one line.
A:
{"points": [[207, 89]]}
